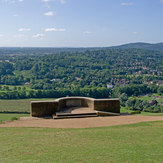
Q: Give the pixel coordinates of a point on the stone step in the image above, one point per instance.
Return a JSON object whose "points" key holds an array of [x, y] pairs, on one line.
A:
{"points": [[102, 113], [71, 115], [74, 114]]}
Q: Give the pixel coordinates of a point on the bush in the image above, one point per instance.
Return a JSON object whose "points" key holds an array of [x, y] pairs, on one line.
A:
{"points": [[14, 118], [154, 109], [136, 112]]}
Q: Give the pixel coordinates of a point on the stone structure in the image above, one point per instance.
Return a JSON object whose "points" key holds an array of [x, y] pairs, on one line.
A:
{"points": [[48, 108]]}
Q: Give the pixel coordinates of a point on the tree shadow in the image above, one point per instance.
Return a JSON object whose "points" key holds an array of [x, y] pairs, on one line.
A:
{"points": [[124, 114], [15, 112]]}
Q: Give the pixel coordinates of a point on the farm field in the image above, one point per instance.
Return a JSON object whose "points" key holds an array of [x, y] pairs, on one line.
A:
{"points": [[106, 144], [22, 105], [151, 98]]}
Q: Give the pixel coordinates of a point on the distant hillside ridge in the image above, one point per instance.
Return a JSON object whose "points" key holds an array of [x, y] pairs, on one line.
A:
{"points": [[54, 50], [141, 45]]}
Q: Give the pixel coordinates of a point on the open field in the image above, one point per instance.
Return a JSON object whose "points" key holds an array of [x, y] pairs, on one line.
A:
{"points": [[11, 87], [152, 114], [15, 105], [142, 142], [22, 105], [11, 116], [159, 98], [10, 109]]}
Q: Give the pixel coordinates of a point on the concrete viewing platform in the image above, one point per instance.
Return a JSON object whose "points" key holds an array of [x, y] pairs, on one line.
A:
{"points": [[75, 107]]}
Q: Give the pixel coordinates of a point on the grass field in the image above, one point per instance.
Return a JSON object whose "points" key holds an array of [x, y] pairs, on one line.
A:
{"points": [[17, 105], [150, 98], [11, 116], [134, 143], [152, 114], [15, 108]]}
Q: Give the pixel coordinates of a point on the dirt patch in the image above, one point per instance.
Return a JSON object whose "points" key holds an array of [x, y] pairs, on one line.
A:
{"points": [[81, 122]]}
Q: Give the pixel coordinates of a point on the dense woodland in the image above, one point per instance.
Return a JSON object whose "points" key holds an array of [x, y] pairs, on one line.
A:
{"points": [[99, 73]]}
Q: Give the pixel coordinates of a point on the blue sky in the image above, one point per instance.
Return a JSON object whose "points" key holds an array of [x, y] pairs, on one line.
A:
{"points": [[80, 23]]}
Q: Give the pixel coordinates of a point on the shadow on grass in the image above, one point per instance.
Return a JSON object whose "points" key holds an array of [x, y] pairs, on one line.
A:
{"points": [[15, 112], [125, 114]]}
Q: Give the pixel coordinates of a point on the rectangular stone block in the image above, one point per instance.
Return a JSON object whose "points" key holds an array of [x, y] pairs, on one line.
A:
{"points": [[43, 108], [108, 105]]}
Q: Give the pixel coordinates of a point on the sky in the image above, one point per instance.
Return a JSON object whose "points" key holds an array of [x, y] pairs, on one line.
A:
{"points": [[79, 23]]}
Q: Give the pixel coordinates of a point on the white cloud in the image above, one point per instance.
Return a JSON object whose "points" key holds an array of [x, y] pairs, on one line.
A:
{"points": [[47, 3], [18, 36], [87, 32], [161, 1], [1, 35], [55, 29], [15, 15], [61, 1], [50, 13], [126, 4], [46, 0], [135, 33], [24, 29], [12, 1], [9, 1], [38, 35]]}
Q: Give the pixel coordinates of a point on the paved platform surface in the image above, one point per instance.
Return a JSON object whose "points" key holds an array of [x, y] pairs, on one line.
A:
{"points": [[75, 110], [81, 122]]}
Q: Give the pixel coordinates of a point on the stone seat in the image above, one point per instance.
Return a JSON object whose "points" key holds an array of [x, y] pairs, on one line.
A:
{"points": [[74, 105]]}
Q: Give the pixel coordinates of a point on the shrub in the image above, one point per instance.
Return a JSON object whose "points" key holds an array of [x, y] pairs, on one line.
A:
{"points": [[14, 118], [136, 112], [154, 109]]}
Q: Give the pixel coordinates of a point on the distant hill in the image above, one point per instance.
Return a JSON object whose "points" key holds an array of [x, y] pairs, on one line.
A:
{"points": [[54, 50], [141, 45], [43, 50]]}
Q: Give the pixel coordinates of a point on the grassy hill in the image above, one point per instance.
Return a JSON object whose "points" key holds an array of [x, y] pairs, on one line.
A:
{"points": [[141, 45], [134, 143]]}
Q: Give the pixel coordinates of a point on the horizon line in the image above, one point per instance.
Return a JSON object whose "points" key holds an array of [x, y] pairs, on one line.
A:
{"points": [[73, 47]]}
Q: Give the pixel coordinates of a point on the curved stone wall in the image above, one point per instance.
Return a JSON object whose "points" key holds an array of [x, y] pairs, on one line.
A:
{"points": [[67, 102], [47, 108]]}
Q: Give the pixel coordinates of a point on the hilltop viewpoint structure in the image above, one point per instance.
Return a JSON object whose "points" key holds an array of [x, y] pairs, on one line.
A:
{"points": [[75, 107]]}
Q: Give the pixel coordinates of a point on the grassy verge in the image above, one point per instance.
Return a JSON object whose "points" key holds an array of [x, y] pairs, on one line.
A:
{"points": [[124, 110], [152, 114], [11, 117], [134, 143]]}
